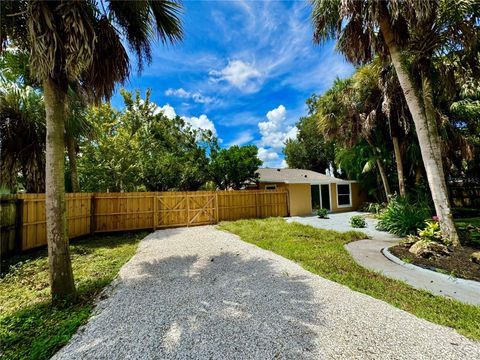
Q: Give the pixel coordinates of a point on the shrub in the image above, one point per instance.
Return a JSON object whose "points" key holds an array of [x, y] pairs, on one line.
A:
{"points": [[432, 232], [322, 213], [358, 221], [403, 216]]}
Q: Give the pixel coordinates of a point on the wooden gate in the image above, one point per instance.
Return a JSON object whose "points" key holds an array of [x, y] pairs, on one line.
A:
{"points": [[184, 209]]}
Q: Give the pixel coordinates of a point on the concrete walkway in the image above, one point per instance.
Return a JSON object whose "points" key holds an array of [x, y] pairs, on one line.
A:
{"points": [[368, 253], [200, 293]]}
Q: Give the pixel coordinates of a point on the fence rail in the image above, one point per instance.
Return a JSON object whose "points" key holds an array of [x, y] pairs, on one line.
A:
{"points": [[23, 224]]}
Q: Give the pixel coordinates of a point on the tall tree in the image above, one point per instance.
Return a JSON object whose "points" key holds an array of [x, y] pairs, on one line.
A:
{"points": [[234, 167], [409, 31], [310, 150], [79, 41]]}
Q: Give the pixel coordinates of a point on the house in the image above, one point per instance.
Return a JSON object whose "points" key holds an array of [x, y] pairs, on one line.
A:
{"points": [[309, 190]]}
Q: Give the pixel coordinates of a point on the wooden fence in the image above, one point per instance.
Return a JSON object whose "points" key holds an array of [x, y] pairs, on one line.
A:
{"points": [[465, 196], [23, 224]]}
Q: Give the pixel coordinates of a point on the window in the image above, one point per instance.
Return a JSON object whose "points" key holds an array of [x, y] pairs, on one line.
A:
{"points": [[271, 187], [344, 195]]}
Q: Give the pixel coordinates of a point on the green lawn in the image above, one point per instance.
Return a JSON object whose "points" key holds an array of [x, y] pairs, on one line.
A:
{"points": [[322, 252], [30, 327]]}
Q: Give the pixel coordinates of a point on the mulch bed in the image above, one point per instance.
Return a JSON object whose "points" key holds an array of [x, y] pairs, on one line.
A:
{"points": [[457, 264]]}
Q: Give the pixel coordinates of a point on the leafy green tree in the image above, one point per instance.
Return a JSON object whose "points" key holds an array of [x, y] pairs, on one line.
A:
{"points": [[235, 167], [79, 41], [140, 149], [310, 150]]}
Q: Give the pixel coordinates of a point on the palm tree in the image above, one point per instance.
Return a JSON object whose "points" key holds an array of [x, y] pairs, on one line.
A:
{"points": [[79, 41], [406, 31], [22, 136], [346, 114]]}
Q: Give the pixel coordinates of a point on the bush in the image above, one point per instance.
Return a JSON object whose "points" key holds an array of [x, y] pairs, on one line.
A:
{"points": [[404, 215], [358, 221], [322, 213]]}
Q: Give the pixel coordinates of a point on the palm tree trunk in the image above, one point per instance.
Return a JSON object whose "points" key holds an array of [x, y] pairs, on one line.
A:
{"points": [[398, 160], [61, 275], [383, 175], [72, 158], [427, 134]]}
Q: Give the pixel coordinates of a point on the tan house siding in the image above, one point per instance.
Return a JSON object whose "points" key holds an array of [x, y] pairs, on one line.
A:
{"points": [[300, 199], [358, 197]]}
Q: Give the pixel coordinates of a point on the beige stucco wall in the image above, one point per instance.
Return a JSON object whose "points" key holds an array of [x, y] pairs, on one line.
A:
{"points": [[358, 197], [300, 197]]}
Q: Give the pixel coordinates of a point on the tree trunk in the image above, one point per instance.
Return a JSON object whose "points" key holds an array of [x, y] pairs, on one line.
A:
{"points": [[61, 275], [383, 175], [427, 134], [398, 160], [72, 158]]}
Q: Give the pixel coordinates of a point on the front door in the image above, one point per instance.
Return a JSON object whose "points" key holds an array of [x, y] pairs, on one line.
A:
{"points": [[325, 196], [321, 197]]}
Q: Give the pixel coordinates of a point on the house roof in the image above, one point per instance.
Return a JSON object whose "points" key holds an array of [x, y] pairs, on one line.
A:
{"points": [[296, 176]]}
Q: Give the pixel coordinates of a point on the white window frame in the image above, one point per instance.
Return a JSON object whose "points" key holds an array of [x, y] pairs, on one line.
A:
{"points": [[271, 187], [350, 197]]}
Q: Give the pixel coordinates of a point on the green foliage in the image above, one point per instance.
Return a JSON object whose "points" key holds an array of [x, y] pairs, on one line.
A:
{"points": [[431, 231], [30, 327], [404, 215], [376, 208], [310, 150], [469, 231], [358, 221], [322, 213], [234, 167], [141, 149], [322, 252]]}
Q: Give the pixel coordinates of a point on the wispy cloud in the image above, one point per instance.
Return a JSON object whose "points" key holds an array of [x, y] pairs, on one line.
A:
{"points": [[242, 75], [196, 96], [242, 138]]}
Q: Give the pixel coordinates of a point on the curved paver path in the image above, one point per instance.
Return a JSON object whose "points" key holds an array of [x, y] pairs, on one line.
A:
{"points": [[196, 293], [368, 253]]}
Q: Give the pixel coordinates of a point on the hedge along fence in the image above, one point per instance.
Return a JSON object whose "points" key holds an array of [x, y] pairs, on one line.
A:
{"points": [[24, 226]]}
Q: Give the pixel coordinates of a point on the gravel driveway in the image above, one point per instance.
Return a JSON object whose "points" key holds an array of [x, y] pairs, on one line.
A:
{"points": [[202, 293]]}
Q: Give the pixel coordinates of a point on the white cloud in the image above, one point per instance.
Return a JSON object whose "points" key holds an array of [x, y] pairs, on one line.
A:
{"points": [[242, 138], [181, 92], [239, 74], [167, 110], [196, 96], [267, 154], [276, 130], [202, 122], [274, 133], [271, 158]]}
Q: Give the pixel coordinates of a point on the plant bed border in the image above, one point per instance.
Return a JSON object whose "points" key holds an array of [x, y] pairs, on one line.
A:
{"points": [[454, 280]]}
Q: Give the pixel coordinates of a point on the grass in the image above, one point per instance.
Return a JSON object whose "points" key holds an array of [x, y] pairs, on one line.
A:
{"points": [[30, 327], [322, 252]]}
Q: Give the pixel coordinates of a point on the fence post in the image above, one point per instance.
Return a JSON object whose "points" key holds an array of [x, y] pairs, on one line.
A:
{"points": [[18, 226], [288, 202], [256, 204], [93, 218], [216, 207], [154, 211], [188, 209]]}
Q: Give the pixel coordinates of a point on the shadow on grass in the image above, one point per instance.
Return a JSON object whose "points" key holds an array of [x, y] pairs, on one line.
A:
{"points": [[37, 331], [79, 246]]}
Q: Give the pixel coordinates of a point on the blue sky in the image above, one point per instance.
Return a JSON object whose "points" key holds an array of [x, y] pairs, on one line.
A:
{"points": [[244, 70]]}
